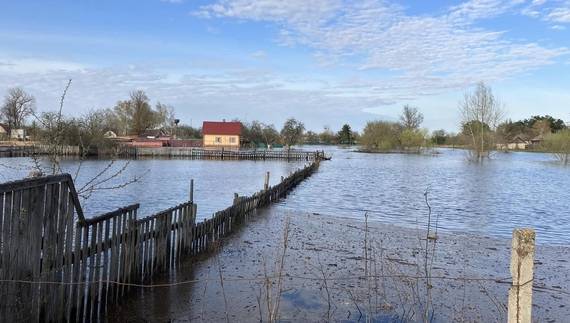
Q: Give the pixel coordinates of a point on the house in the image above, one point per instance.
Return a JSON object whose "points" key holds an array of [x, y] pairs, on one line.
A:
{"points": [[517, 142], [3, 131], [18, 134], [221, 134], [536, 142], [157, 134]]}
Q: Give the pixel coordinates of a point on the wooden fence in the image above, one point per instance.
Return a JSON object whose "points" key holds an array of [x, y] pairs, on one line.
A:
{"points": [[24, 151], [57, 266], [16, 151], [222, 154]]}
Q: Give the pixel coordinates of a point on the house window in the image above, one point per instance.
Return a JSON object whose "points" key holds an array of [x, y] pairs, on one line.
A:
{"points": [[232, 140], [218, 139]]}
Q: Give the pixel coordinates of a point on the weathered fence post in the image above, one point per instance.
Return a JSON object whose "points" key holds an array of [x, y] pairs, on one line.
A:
{"points": [[191, 191], [522, 267], [266, 186]]}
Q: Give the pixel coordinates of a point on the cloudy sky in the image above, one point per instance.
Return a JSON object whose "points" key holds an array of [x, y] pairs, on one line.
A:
{"points": [[324, 62]]}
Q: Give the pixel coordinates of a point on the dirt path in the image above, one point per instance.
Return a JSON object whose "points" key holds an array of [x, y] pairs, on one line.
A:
{"points": [[323, 277]]}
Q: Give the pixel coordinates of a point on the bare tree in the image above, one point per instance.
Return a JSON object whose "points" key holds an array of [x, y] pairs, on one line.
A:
{"points": [[541, 127], [292, 132], [270, 134], [143, 116], [18, 104], [480, 113], [411, 118], [166, 116]]}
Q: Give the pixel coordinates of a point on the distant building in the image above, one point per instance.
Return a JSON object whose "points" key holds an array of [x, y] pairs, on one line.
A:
{"points": [[18, 134], [221, 134], [3, 132]]}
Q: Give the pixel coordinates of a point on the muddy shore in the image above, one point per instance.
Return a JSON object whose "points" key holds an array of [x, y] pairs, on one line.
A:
{"points": [[323, 276]]}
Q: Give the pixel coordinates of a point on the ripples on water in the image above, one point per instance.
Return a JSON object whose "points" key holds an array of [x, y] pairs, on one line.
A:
{"points": [[166, 182], [516, 189], [490, 198]]}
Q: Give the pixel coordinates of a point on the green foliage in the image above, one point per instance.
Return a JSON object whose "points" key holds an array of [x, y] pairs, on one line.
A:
{"points": [[439, 137], [413, 140], [345, 135], [559, 145], [555, 124], [327, 136], [292, 132], [475, 127], [381, 135]]}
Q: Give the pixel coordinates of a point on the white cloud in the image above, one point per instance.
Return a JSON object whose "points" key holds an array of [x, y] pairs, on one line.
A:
{"points": [[561, 14], [529, 11], [259, 54], [429, 53], [558, 27], [538, 2], [481, 9]]}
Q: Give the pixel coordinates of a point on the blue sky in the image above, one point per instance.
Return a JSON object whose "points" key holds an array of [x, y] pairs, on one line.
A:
{"points": [[324, 62]]}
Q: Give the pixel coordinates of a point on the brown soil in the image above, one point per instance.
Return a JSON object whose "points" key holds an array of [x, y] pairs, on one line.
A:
{"points": [[323, 276]]}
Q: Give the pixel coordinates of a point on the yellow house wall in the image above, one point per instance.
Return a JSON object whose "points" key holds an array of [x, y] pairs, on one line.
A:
{"points": [[225, 141]]}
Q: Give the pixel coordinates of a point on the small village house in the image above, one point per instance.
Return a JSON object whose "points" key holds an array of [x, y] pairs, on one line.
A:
{"points": [[221, 134], [517, 142], [3, 131]]}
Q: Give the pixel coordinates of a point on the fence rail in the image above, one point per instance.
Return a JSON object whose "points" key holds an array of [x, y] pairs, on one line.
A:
{"points": [[57, 266]]}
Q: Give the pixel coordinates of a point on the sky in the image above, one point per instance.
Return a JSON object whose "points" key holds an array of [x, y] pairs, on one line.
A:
{"points": [[323, 62]]}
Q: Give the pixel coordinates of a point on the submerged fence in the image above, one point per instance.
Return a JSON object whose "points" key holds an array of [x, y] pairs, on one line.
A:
{"points": [[57, 266], [222, 154], [186, 152]]}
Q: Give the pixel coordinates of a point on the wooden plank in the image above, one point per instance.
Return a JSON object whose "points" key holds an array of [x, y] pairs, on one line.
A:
{"points": [[91, 293], [76, 292], [33, 182], [112, 214], [24, 262], [5, 289], [68, 263], [37, 211], [59, 266], [105, 270], [114, 266], [122, 256]]}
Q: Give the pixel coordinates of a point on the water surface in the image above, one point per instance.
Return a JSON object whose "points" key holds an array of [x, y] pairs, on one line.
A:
{"points": [[516, 189]]}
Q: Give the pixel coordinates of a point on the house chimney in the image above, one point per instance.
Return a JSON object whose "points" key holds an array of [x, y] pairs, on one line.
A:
{"points": [[224, 120]]}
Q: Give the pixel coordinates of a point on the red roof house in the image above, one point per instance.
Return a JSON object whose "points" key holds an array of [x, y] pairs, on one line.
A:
{"points": [[221, 134]]}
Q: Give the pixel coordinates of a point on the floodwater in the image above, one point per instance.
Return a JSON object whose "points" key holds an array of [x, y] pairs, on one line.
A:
{"points": [[516, 189], [327, 212]]}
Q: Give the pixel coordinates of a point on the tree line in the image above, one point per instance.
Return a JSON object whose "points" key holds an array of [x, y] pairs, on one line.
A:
{"points": [[482, 116]]}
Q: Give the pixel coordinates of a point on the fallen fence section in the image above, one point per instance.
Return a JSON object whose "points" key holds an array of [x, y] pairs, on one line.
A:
{"points": [[57, 266]]}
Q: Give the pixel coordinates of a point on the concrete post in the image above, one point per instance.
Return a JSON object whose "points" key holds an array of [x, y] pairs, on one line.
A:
{"points": [[522, 270], [266, 186]]}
